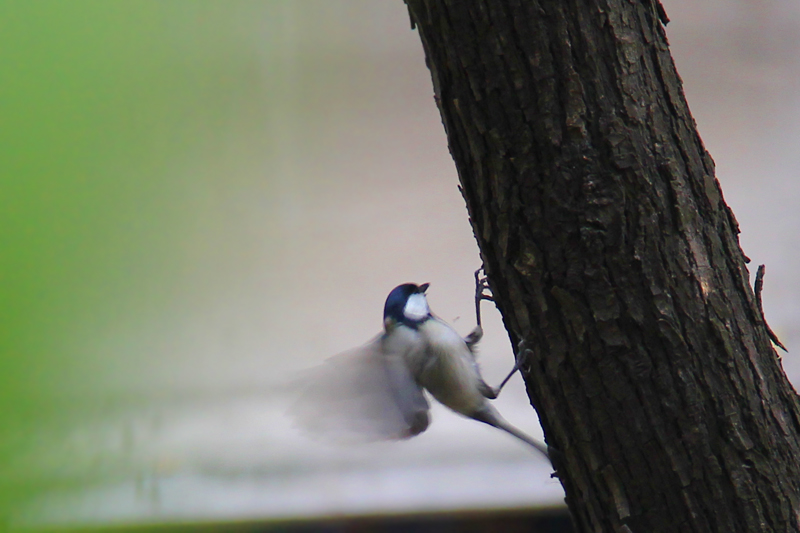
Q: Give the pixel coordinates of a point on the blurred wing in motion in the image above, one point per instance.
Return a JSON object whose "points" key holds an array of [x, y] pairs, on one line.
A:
{"points": [[364, 394]]}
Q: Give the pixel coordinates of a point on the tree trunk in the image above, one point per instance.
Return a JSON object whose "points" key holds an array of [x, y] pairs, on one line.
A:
{"points": [[611, 252]]}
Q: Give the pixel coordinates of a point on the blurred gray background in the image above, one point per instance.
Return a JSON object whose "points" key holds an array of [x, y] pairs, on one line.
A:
{"points": [[321, 181]]}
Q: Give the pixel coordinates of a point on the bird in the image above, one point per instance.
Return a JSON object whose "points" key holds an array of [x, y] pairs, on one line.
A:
{"points": [[378, 391]]}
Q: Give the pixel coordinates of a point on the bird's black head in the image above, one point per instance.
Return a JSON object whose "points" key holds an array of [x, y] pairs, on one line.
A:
{"points": [[406, 304]]}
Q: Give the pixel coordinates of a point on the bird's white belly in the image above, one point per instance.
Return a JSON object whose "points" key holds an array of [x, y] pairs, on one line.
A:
{"points": [[449, 371]]}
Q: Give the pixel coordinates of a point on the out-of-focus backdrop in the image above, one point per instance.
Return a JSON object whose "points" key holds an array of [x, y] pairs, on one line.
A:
{"points": [[199, 199]]}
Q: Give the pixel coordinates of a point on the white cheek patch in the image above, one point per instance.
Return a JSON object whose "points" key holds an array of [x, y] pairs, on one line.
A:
{"points": [[416, 307]]}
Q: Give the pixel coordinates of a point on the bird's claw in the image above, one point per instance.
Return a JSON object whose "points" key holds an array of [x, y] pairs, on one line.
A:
{"points": [[523, 355], [481, 286]]}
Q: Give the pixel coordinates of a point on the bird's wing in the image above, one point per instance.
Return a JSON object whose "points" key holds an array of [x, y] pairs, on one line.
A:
{"points": [[363, 394]]}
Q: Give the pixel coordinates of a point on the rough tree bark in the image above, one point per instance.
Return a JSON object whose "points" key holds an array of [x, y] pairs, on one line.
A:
{"points": [[610, 250]]}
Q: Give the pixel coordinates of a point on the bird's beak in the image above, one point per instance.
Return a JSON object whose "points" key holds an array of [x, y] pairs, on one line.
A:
{"points": [[424, 287]]}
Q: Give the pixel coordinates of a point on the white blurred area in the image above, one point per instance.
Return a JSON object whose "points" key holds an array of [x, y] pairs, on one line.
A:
{"points": [[314, 210]]}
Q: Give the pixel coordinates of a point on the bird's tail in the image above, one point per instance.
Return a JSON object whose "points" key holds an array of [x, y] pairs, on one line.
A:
{"points": [[541, 447], [488, 415]]}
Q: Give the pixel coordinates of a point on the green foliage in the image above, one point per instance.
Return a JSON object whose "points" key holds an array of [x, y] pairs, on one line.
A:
{"points": [[115, 118]]}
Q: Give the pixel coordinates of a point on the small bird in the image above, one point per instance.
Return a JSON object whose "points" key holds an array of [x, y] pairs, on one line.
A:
{"points": [[376, 392]]}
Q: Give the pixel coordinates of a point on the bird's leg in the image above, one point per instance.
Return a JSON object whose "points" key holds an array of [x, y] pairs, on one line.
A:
{"points": [[523, 354], [481, 286]]}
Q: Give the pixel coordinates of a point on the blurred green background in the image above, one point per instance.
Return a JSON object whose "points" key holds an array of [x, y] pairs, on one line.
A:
{"points": [[199, 198], [102, 104]]}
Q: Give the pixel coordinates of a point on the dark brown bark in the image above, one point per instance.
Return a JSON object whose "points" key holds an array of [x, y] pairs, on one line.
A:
{"points": [[610, 250]]}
